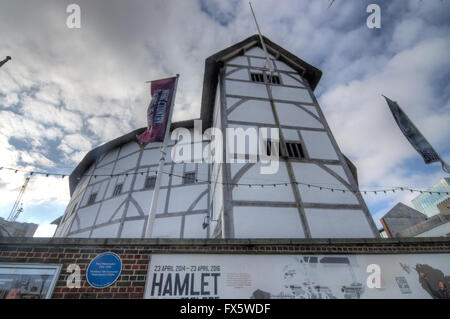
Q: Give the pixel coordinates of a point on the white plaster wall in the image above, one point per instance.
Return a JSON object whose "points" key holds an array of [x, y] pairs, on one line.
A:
{"points": [[266, 193], [126, 163], [253, 111], [113, 182], [288, 80], [150, 157], [246, 89], [202, 171], [292, 115], [101, 188], [193, 226], [291, 94], [291, 135], [64, 227], [283, 66], [109, 207], [167, 227], [132, 229], [83, 182], [230, 101], [139, 183], [256, 51], [132, 210], [230, 68], [338, 169], [86, 216], [128, 148], [145, 198], [312, 109], [177, 172], [313, 174], [336, 223], [241, 74], [267, 222], [109, 231], [109, 157], [318, 145], [239, 60], [104, 170], [258, 63], [183, 197]]}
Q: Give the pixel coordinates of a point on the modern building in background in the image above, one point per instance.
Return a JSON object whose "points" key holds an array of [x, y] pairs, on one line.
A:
{"points": [[399, 218], [404, 221], [202, 200], [444, 206], [16, 229], [428, 203]]}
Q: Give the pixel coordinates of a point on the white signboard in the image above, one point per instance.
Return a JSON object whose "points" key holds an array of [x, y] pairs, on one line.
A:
{"points": [[298, 276]]}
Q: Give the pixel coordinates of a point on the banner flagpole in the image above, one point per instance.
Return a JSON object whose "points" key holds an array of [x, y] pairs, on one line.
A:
{"points": [[445, 166], [154, 203], [269, 63]]}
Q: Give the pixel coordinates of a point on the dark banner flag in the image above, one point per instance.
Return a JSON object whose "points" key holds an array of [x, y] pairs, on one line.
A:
{"points": [[158, 111], [413, 134]]}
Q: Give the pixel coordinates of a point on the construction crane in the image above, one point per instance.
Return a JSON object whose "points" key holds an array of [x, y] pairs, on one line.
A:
{"points": [[16, 210]]}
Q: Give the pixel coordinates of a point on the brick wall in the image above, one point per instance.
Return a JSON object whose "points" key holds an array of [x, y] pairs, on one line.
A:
{"points": [[130, 284], [136, 253]]}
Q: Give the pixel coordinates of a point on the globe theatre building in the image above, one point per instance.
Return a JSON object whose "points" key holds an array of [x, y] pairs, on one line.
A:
{"points": [[112, 187]]}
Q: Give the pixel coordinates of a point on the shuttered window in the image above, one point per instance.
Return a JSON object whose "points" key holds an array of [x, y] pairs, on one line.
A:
{"points": [[117, 190]]}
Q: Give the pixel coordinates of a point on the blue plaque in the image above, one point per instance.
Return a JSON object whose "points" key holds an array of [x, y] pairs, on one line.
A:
{"points": [[104, 270]]}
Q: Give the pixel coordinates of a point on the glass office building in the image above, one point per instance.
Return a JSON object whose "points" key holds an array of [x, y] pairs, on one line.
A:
{"points": [[427, 203]]}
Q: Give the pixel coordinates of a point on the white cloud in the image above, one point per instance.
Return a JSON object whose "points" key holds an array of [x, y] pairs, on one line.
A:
{"points": [[46, 113], [76, 142]]}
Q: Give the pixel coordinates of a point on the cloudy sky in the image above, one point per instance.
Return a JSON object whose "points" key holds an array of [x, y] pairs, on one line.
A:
{"points": [[66, 91]]}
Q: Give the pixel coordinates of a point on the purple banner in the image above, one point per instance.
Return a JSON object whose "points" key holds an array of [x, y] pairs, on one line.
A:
{"points": [[158, 111]]}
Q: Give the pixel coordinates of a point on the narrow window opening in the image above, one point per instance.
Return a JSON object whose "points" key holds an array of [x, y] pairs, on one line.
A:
{"points": [[92, 198], [274, 79], [257, 77], [189, 178], [295, 150], [150, 182], [117, 189]]}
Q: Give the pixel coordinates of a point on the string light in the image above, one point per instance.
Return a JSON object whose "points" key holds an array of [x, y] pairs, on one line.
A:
{"points": [[309, 185]]}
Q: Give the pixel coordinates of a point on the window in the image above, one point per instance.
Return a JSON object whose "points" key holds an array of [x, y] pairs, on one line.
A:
{"points": [[294, 150], [28, 281], [150, 182], [257, 77], [92, 198], [117, 189], [269, 148], [274, 79], [189, 178]]}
